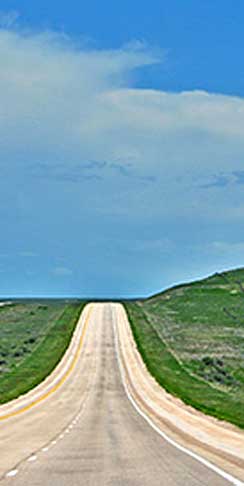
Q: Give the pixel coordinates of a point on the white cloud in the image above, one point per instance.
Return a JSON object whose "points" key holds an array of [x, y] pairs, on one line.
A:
{"points": [[51, 92], [63, 105]]}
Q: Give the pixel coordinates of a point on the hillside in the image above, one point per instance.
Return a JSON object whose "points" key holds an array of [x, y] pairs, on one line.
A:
{"points": [[192, 340]]}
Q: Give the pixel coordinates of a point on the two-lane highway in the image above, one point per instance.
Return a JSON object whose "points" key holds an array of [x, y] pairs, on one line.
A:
{"points": [[88, 433]]}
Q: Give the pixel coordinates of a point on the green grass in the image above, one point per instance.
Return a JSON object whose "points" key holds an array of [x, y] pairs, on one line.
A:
{"points": [[33, 339], [191, 338]]}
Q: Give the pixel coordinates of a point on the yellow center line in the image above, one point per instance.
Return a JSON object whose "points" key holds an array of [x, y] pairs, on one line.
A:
{"points": [[60, 382]]}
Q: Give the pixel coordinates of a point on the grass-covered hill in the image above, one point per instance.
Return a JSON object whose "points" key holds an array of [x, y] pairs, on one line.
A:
{"points": [[192, 340]]}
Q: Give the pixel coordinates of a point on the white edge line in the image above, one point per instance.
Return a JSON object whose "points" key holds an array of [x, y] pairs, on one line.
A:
{"points": [[12, 473], [200, 459], [32, 458]]}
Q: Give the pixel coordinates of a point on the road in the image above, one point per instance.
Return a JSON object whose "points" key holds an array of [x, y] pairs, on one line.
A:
{"points": [[88, 433]]}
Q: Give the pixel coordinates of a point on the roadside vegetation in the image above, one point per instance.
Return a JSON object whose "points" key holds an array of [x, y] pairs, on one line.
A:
{"points": [[191, 338], [33, 339]]}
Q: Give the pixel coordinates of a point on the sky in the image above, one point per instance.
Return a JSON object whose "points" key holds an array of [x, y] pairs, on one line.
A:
{"points": [[121, 145]]}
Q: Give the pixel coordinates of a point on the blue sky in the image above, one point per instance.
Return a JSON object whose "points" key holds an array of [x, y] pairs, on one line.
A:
{"points": [[122, 145]]}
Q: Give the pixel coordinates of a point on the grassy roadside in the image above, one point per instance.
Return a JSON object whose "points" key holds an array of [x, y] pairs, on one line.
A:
{"points": [[34, 338], [192, 341]]}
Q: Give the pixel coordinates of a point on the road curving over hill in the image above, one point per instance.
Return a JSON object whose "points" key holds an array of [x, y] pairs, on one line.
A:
{"points": [[99, 420]]}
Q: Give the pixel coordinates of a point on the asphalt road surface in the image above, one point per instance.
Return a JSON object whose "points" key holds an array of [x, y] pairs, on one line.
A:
{"points": [[88, 433]]}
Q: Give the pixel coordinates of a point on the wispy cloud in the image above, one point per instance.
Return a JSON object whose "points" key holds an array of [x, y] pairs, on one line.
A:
{"points": [[217, 181], [239, 176], [223, 180], [227, 247], [62, 272], [28, 254]]}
